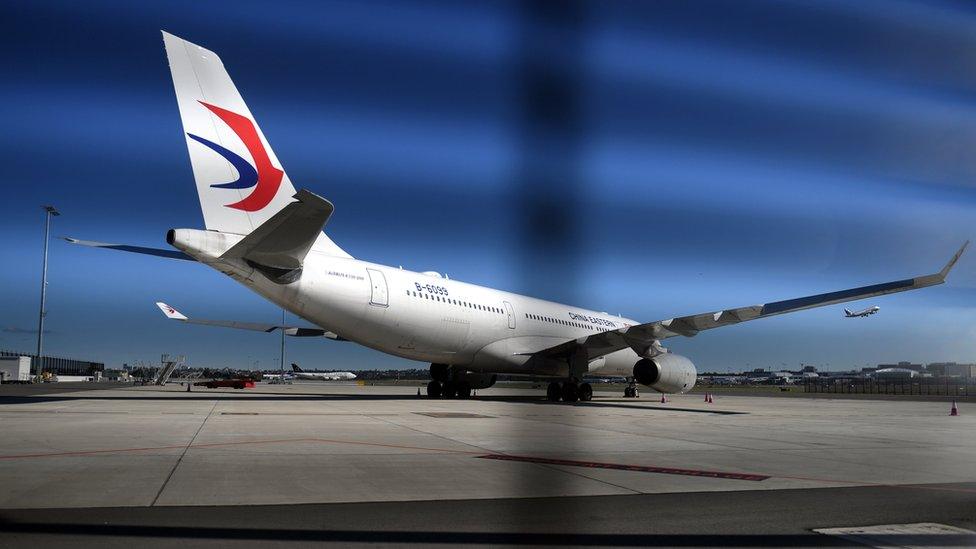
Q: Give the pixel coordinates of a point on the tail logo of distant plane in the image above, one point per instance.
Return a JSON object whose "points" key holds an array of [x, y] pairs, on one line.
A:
{"points": [[266, 179]]}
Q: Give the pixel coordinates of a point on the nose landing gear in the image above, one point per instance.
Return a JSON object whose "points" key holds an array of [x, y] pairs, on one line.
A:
{"points": [[631, 391]]}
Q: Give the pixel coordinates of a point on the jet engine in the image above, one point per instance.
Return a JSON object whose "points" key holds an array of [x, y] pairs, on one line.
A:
{"points": [[667, 373]]}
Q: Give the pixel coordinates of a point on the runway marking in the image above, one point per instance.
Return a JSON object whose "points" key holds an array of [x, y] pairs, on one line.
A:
{"points": [[919, 534], [455, 415], [182, 455], [235, 443], [143, 449], [624, 467], [344, 414]]}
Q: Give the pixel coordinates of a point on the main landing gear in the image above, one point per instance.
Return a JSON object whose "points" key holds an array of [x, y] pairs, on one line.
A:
{"points": [[569, 391], [631, 391], [449, 389]]}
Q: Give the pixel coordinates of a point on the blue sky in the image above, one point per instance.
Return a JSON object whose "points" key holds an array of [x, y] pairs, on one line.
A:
{"points": [[696, 156]]}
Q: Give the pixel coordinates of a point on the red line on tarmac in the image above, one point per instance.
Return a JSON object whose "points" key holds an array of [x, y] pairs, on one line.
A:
{"points": [[143, 449], [236, 443], [623, 467]]}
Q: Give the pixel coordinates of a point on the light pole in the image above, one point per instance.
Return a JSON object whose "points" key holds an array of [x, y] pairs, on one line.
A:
{"points": [[282, 361], [50, 212]]}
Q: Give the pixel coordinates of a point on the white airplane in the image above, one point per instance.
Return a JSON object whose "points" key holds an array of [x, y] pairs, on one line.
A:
{"points": [[266, 236], [866, 312], [321, 376]]}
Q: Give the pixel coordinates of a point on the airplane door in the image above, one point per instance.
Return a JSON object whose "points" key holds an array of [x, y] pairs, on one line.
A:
{"points": [[379, 295], [511, 315]]}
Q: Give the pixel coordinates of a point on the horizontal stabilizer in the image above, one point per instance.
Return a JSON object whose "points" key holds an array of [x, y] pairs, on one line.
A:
{"points": [[278, 246], [294, 331], [170, 254]]}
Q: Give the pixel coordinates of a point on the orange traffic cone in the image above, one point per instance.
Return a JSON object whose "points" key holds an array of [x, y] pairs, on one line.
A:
{"points": [[954, 411]]}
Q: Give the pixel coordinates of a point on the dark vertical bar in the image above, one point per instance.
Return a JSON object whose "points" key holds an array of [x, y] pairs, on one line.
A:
{"points": [[550, 139], [547, 186]]}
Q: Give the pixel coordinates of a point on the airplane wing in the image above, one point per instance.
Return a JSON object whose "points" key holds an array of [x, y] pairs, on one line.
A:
{"points": [[295, 331], [171, 254], [643, 337]]}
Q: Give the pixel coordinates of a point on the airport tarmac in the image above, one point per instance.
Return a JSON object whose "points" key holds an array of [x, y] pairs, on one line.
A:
{"points": [[606, 466]]}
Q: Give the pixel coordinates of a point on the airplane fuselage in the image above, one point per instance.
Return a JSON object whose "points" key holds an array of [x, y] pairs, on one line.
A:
{"points": [[324, 376], [429, 318], [433, 319]]}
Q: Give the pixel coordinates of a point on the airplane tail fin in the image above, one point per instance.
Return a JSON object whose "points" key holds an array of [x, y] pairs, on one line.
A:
{"points": [[848, 312], [295, 368], [240, 181]]}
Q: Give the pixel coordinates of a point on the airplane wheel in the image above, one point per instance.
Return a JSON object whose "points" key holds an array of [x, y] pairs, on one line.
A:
{"points": [[554, 392], [585, 392], [463, 390], [439, 372], [570, 392], [434, 389], [630, 392], [450, 390]]}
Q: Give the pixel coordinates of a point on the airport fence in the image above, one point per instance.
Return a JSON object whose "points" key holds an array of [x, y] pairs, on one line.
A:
{"points": [[913, 386]]}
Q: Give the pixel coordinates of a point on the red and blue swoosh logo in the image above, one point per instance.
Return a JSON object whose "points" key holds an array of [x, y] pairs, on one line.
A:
{"points": [[265, 179]]}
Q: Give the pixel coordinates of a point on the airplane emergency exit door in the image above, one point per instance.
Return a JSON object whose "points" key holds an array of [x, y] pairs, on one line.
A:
{"points": [[511, 314], [379, 295]]}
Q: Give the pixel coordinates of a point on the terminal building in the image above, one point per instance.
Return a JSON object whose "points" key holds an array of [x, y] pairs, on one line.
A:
{"points": [[60, 366], [903, 365], [952, 369]]}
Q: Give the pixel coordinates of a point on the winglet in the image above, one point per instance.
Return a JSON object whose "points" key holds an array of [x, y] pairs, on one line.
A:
{"points": [[170, 312], [952, 262]]}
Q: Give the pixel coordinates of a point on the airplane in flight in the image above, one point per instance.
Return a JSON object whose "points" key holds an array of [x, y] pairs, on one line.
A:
{"points": [[866, 312], [265, 235], [298, 373]]}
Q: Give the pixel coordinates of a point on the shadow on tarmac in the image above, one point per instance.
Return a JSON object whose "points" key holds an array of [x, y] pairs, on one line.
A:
{"points": [[747, 518], [478, 538]]}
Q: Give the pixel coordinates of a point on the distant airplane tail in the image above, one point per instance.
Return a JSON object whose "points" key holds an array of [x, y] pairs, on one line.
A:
{"points": [[240, 181], [295, 368], [848, 312]]}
